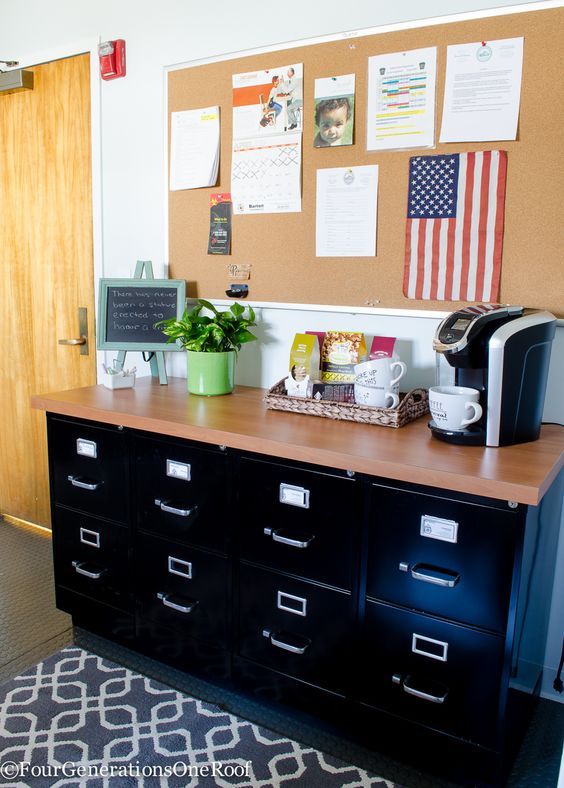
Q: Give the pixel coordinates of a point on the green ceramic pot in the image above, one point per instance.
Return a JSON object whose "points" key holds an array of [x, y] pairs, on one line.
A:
{"points": [[210, 374]]}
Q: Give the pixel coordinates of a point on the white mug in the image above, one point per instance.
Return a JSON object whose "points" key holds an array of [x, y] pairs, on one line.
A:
{"points": [[381, 372], [376, 396], [450, 406]]}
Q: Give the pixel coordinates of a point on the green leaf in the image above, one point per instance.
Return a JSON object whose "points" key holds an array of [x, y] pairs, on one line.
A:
{"points": [[237, 309], [223, 331]]}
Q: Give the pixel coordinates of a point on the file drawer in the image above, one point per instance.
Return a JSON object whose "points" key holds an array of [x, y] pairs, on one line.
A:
{"points": [[296, 627], [299, 521], [441, 674], [183, 588], [182, 492], [442, 556], [91, 556], [90, 468]]}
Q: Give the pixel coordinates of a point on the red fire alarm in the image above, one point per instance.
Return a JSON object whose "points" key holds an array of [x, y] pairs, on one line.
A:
{"points": [[112, 59]]}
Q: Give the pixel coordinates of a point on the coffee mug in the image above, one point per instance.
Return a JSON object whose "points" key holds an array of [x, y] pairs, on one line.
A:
{"points": [[376, 396], [449, 406], [381, 372]]}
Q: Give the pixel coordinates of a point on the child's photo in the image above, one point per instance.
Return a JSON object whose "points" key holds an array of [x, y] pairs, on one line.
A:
{"points": [[333, 122], [334, 111]]}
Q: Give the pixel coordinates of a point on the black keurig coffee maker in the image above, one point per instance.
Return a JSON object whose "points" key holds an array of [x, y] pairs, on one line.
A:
{"points": [[504, 352]]}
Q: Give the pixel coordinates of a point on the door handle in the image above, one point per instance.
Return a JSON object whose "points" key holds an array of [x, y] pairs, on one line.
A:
{"points": [[81, 340]]}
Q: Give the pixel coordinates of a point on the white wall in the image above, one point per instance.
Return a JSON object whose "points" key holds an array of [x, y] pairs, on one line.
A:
{"points": [[129, 177]]}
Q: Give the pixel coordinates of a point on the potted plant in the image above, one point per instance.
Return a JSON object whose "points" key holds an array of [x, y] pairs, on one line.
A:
{"points": [[211, 343]]}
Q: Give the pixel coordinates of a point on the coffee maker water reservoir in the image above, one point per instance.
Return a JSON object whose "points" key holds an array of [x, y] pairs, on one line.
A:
{"points": [[504, 352]]}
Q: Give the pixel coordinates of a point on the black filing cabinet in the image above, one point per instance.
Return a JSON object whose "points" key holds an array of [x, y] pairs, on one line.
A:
{"points": [[181, 566], [438, 589], [384, 606], [298, 554], [90, 499]]}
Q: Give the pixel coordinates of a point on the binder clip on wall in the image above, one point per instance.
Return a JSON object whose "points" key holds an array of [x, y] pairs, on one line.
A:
{"points": [[112, 59], [237, 291]]}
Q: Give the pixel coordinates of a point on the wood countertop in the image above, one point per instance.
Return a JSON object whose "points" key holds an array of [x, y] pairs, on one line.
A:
{"points": [[521, 473]]}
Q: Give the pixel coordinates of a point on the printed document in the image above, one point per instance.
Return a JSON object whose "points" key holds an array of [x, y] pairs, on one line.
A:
{"points": [[194, 148], [401, 100], [346, 211], [482, 91]]}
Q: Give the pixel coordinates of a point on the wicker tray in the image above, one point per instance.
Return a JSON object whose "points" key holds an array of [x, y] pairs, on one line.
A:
{"points": [[412, 405]]}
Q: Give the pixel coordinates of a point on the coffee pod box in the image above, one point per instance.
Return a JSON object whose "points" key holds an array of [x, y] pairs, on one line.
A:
{"points": [[304, 357], [383, 347]]}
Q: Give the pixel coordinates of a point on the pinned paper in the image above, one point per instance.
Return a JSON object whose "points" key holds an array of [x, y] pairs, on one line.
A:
{"points": [[220, 224], [194, 148]]}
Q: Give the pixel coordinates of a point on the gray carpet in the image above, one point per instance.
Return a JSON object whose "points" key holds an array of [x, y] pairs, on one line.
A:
{"points": [[77, 711], [30, 625]]}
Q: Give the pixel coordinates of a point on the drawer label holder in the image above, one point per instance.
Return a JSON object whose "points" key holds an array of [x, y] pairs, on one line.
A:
{"points": [[429, 647], [291, 604], [179, 470], [439, 528], [294, 496], [86, 448]]}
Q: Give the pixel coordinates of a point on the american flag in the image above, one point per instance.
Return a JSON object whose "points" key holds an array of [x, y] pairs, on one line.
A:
{"points": [[454, 233]]}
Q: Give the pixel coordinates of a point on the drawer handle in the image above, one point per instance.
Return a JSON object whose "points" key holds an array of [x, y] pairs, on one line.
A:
{"points": [[185, 607], [434, 575], [409, 689], [292, 643], [164, 506], [278, 536], [82, 568], [84, 484]]}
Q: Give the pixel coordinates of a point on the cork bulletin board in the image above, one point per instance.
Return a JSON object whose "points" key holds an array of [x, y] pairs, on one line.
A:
{"points": [[280, 248]]}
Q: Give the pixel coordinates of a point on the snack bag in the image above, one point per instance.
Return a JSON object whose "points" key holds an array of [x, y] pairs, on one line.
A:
{"points": [[304, 357], [341, 351]]}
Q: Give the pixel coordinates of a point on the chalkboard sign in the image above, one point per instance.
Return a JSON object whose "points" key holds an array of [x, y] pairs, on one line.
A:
{"points": [[129, 308]]}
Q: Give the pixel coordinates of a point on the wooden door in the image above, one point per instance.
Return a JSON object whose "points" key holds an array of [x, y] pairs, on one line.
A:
{"points": [[46, 268]]}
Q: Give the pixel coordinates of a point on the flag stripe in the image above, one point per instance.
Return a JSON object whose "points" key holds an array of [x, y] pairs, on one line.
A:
{"points": [[427, 263], [435, 259], [480, 285], [450, 259], [442, 268], [468, 205], [459, 229], [498, 233], [474, 227], [407, 262], [420, 258], [490, 225]]}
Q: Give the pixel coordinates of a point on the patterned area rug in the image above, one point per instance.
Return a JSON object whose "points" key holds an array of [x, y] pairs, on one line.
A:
{"points": [[77, 719]]}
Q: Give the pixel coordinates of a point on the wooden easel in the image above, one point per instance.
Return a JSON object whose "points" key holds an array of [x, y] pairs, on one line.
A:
{"points": [[156, 361]]}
